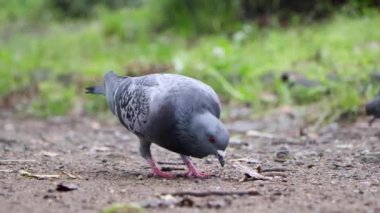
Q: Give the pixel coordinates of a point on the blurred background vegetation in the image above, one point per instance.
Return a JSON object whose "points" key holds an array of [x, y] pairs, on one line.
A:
{"points": [[259, 53]]}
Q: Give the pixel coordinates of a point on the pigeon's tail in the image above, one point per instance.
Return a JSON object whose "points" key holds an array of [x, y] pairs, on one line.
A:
{"points": [[96, 90]]}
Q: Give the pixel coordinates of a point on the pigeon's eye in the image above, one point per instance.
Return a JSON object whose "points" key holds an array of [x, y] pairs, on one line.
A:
{"points": [[211, 139]]}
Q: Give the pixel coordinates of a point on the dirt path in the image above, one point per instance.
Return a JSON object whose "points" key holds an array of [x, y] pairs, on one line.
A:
{"points": [[339, 172]]}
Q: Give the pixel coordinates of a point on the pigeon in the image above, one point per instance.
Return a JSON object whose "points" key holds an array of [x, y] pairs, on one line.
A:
{"points": [[173, 111], [372, 108]]}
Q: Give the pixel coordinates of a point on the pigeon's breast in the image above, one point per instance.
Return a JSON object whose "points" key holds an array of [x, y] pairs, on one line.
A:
{"points": [[170, 118]]}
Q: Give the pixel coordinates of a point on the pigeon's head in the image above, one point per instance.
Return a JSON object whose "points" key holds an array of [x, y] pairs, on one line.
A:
{"points": [[211, 136]]}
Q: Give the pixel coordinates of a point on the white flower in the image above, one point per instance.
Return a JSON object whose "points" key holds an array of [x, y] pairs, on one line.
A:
{"points": [[239, 36], [200, 66], [178, 65], [218, 52]]}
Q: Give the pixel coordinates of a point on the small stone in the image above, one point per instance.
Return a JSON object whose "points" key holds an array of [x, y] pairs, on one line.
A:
{"points": [[282, 155], [371, 157], [365, 184], [207, 161], [217, 204], [65, 187], [50, 196], [260, 183]]}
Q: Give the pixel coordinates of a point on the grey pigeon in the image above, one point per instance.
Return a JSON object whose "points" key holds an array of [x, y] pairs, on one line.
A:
{"points": [[372, 108], [173, 111]]}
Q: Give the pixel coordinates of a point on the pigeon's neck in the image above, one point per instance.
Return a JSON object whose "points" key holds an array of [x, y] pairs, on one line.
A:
{"points": [[112, 84], [111, 77]]}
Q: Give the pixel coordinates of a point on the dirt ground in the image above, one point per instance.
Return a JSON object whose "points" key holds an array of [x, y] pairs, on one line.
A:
{"points": [[336, 170]]}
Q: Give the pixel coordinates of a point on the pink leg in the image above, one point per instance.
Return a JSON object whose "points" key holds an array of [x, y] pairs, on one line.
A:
{"points": [[145, 153], [192, 172], [157, 171]]}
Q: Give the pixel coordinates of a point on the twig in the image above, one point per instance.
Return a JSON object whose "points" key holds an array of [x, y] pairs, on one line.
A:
{"points": [[276, 170], [214, 193], [246, 160], [273, 174], [6, 140], [288, 142], [72, 176], [38, 176], [170, 163], [169, 168]]}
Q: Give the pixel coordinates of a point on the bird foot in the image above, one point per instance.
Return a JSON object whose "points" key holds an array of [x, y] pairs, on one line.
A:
{"points": [[196, 174], [156, 171], [160, 174]]}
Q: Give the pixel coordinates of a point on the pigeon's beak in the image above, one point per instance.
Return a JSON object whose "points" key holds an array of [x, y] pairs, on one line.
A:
{"points": [[221, 154]]}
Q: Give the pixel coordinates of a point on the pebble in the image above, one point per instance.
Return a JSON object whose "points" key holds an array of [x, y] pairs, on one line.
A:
{"points": [[373, 157], [65, 187], [365, 184], [282, 155]]}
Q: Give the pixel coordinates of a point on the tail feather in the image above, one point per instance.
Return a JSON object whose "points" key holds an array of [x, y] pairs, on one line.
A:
{"points": [[96, 90]]}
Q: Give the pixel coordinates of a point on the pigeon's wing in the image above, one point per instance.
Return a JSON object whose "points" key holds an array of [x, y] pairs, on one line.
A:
{"points": [[132, 102], [190, 92]]}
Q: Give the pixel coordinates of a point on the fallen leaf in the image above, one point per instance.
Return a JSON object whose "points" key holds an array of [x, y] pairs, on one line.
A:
{"points": [[249, 173]]}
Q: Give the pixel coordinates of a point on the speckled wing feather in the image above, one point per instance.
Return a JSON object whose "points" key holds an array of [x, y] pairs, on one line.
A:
{"points": [[132, 102]]}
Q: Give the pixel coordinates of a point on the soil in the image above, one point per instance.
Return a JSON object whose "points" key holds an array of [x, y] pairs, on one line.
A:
{"points": [[97, 164]]}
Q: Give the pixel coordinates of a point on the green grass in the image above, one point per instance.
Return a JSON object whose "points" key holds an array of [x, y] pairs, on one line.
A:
{"points": [[45, 52]]}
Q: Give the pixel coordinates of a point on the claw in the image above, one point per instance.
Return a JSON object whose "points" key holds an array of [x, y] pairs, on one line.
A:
{"points": [[156, 172], [192, 171], [196, 174]]}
